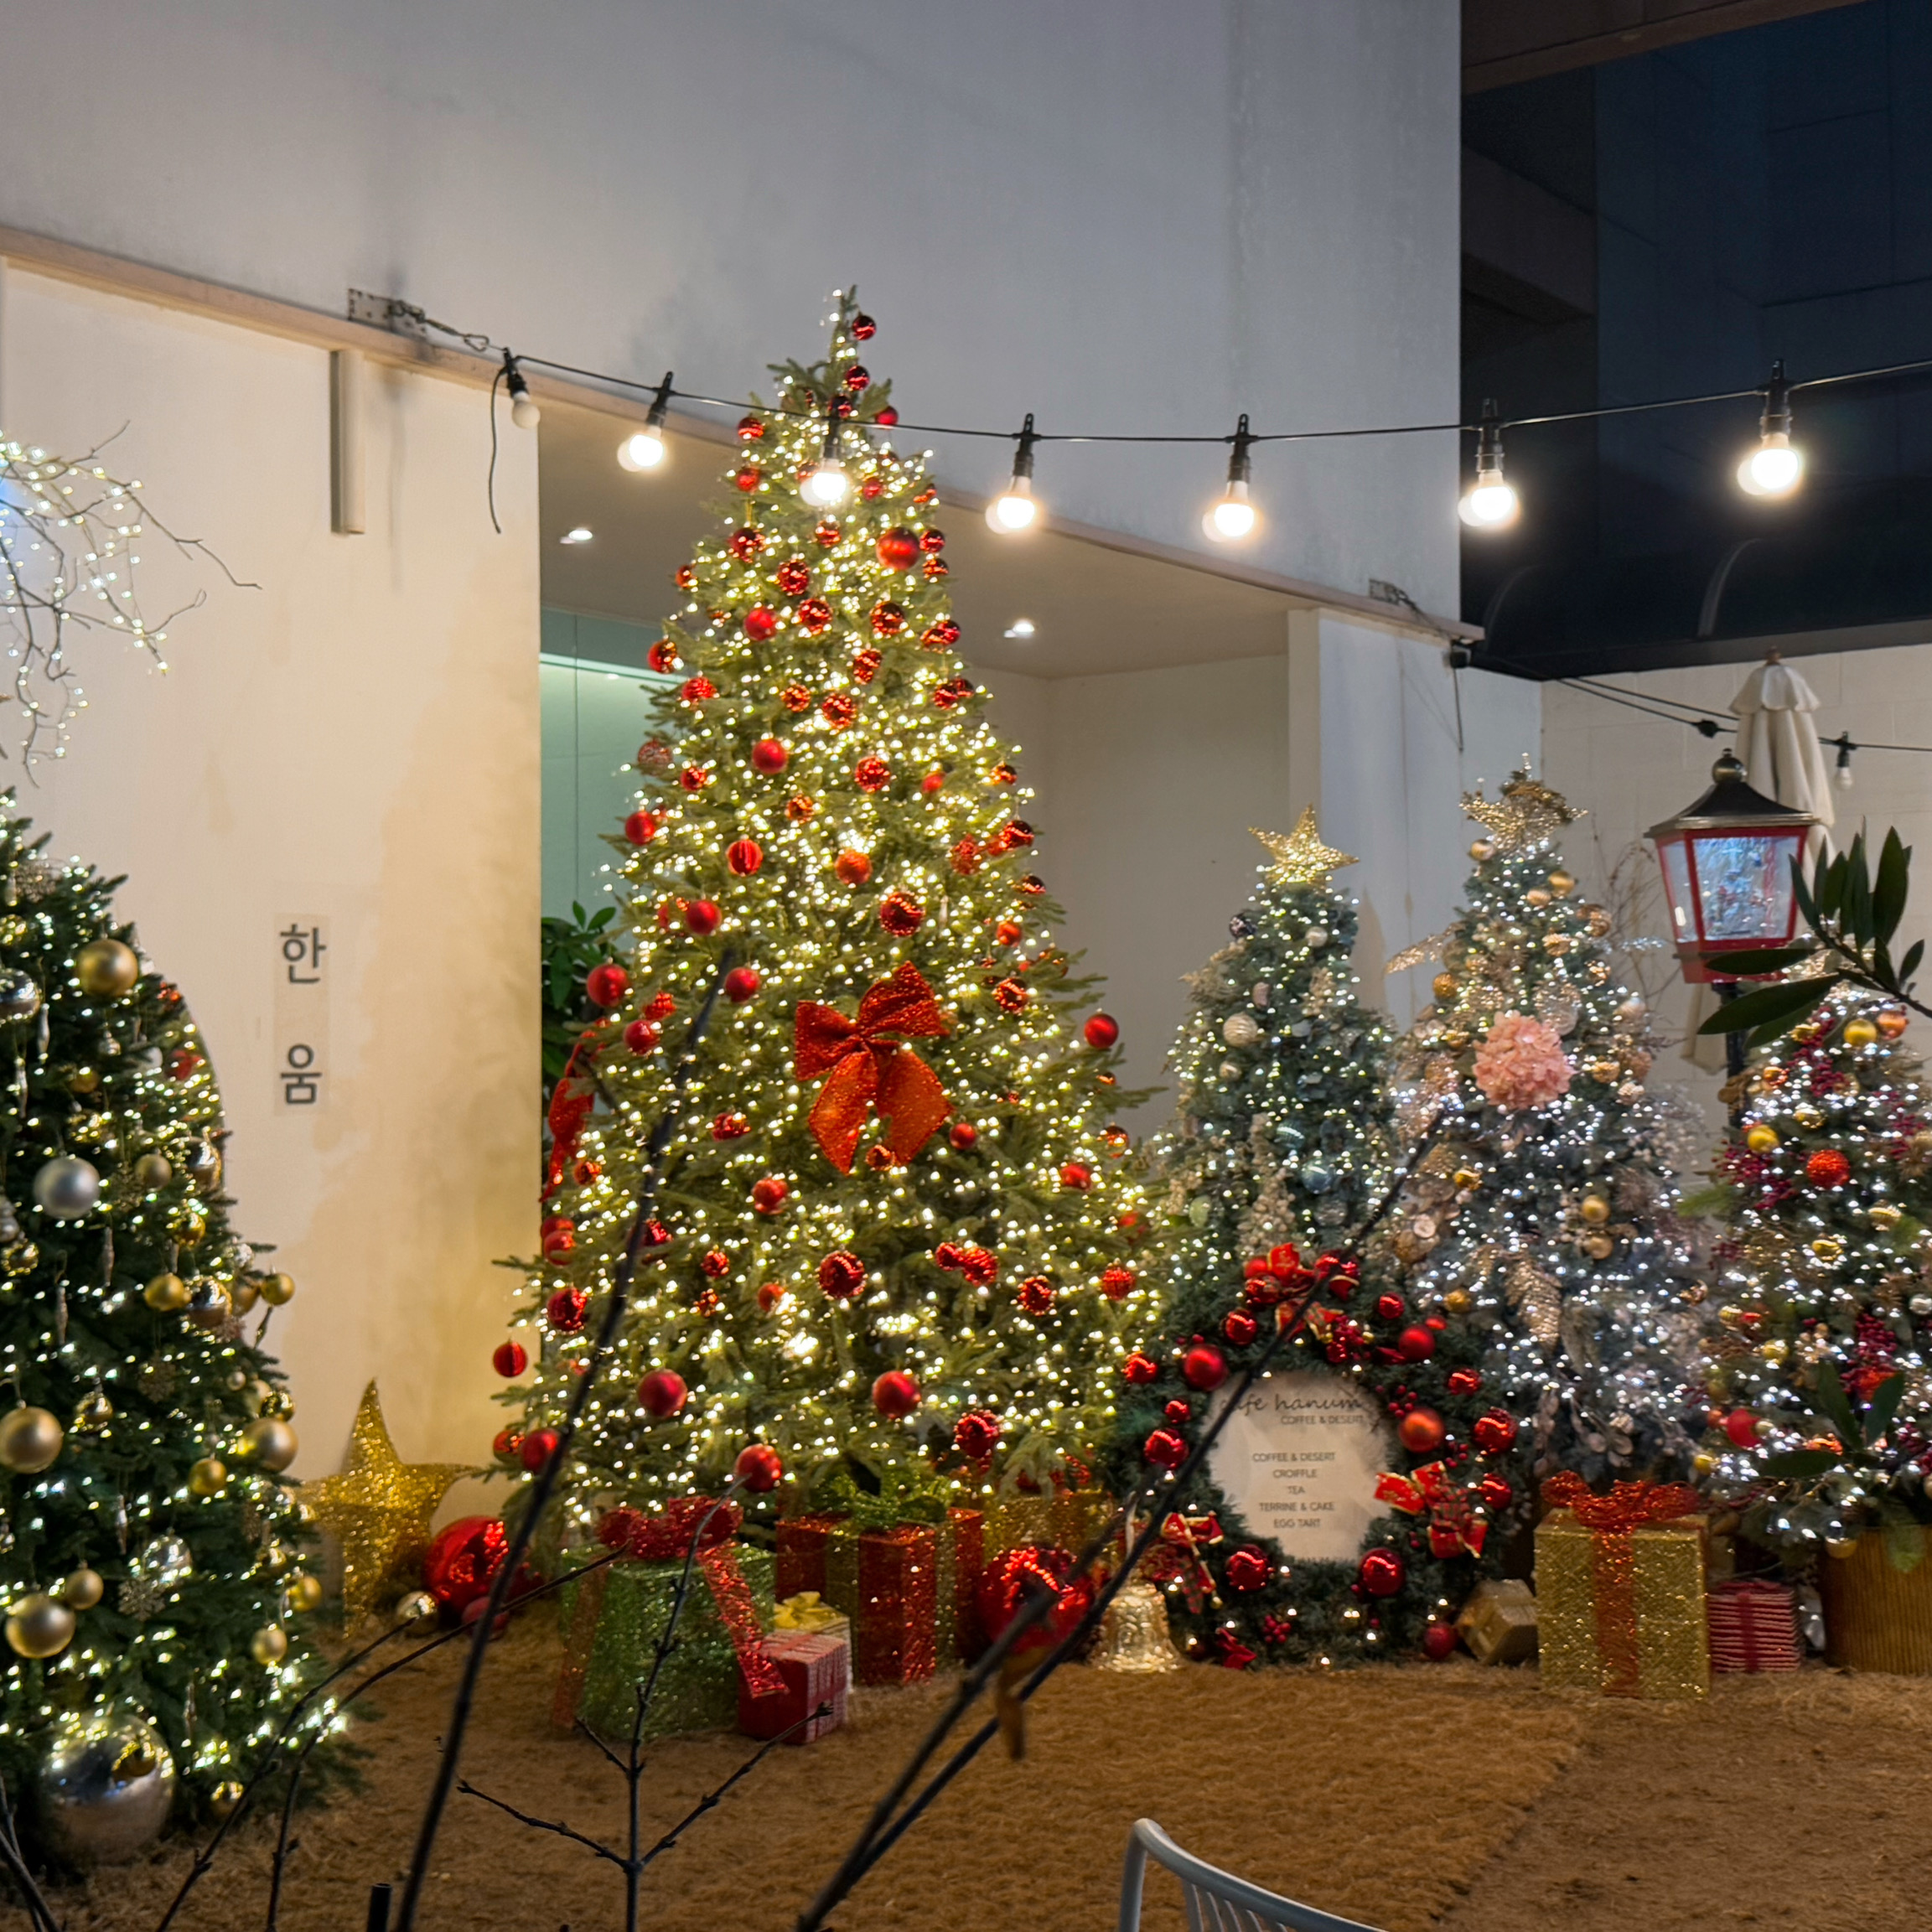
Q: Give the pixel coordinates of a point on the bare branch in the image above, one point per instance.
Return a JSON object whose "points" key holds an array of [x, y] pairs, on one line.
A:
{"points": [[562, 1830]]}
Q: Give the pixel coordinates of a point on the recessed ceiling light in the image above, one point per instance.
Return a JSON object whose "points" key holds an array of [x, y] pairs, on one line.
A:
{"points": [[1020, 627], [580, 535]]}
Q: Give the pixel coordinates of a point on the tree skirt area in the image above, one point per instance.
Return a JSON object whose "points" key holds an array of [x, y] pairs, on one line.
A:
{"points": [[1405, 1797]]}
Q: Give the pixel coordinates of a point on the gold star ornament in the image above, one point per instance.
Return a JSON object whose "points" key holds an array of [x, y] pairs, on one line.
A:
{"points": [[379, 1509], [1301, 858], [1527, 812]]}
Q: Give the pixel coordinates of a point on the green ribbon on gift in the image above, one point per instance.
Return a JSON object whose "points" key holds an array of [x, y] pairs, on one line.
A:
{"points": [[903, 1496]]}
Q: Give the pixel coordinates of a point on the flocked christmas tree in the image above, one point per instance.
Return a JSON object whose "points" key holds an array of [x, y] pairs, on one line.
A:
{"points": [[1283, 1152], [1817, 1370], [1548, 1208], [150, 1549], [893, 1232]]}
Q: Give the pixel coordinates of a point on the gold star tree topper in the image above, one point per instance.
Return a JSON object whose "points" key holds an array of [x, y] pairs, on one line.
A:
{"points": [[1301, 858], [379, 1508], [1527, 812]]}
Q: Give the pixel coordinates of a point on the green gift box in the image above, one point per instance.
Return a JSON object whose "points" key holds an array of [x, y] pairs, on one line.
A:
{"points": [[612, 1619]]}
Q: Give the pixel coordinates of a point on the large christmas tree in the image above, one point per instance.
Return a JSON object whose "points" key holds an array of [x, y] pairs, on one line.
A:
{"points": [[1367, 1457], [1548, 1207], [1816, 1371], [150, 1547], [892, 1228]]}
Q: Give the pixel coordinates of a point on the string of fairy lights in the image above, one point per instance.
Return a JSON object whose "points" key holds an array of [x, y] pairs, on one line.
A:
{"points": [[1772, 466]]}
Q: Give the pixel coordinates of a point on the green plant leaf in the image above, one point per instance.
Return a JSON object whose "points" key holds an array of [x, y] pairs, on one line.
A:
{"points": [[1893, 883], [1829, 1400], [1883, 1406], [1855, 908], [1910, 964], [1830, 887], [1801, 1465], [1780, 1005], [1807, 905]]}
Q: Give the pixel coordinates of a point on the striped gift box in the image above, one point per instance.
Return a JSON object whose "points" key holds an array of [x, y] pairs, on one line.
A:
{"points": [[1754, 1626]]}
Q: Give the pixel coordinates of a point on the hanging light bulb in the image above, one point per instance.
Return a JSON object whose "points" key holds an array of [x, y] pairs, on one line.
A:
{"points": [[1014, 510], [644, 448], [825, 482], [1842, 776], [1776, 467], [523, 410], [1489, 503], [1232, 516]]}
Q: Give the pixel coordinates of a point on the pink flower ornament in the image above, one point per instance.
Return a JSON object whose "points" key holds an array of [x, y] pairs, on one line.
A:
{"points": [[1522, 1064]]}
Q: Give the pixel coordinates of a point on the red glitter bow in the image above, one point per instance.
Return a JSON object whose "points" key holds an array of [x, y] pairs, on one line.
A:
{"points": [[1629, 1506], [570, 1106], [1454, 1528], [870, 1070], [1178, 1554]]}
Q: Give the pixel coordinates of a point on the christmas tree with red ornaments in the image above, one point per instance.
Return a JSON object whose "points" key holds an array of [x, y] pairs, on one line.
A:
{"points": [[893, 1241], [1283, 1151]]}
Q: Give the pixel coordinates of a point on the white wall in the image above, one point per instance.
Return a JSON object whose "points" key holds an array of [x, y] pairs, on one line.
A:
{"points": [[356, 739], [1117, 213]]}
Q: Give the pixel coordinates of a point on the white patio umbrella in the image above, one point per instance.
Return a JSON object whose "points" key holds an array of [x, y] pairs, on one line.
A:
{"points": [[1778, 739]]}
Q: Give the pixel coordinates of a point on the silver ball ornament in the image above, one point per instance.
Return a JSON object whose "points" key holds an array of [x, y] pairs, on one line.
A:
{"points": [[68, 1187], [105, 1789], [165, 1561], [208, 1307], [202, 1164], [19, 997], [1317, 937]]}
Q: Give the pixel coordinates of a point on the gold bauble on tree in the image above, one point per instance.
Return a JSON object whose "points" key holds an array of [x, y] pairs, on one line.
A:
{"points": [[244, 1295], [167, 1292], [39, 1626], [1561, 884], [269, 1644], [304, 1594], [277, 1290], [30, 1440], [269, 1441], [209, 1477], [83, 1589], [224, 1798], [1762, 1140], [1445, 986], [106, 968], [1860, 1032], [1595, 1209]]}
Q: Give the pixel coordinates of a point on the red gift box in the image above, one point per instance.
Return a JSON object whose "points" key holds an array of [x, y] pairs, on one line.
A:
{"points": [[1754, 1626], [817, 1670]]}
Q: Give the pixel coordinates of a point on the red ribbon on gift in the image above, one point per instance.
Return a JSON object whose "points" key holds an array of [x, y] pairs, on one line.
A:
{"points": [[570, 1105], [871, 1069], [1614, 1521], [1178, 1554], [1455, 1529]]}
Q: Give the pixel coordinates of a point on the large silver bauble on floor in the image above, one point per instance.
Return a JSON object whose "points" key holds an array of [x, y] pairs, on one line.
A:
{"points": [[67, 1187], [105, 1789]]}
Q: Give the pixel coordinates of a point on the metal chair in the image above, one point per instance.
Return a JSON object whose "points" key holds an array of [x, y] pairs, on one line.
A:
{"points": [[1217, 1901]]}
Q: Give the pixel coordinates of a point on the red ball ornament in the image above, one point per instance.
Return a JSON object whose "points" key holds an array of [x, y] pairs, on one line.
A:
{"points": [[769, 755], [872, 774], [559, 1243], [865, 665], [744, 855], [1497, 1493], [1203, 1367], [1140, 1370], [750, 428], [932, 542], [964, 1137], [462, 1559], [564, 1310], [716, 1263], [509, 1359], [760, 623], [1101, 1031], [696, 690], [1416, 1344], [1164, 1449], [856, 378], [898, 549], [1390, 1307], [1036, 1295], [1464, 1382], [730, 1127], [662, 1006], [824, 535], [661, 1393], [1422, 1431], [839, 709], [841, 1275], [769, 1195], [1075, 1176], [641, 828], [888, 618], [895, 1395], [1827, 1168], [1116, 1284], [758, 1469], [872, 486], [1439, 1642], [539, 1446], [641, 1037], [1382, 1573], [740, 984], [694, 778], [662, 656], [863, 327], [853, 867], [794, 578], [606, 984], [886, 418], [700, 916], [1248, 1568], [1740, 1426], [1239, 1327], [933, 781], [980, 1267], [900, 914], [1495, 1432], [770, 1295], [815, 614], [749, 478], [976, 1434], [949, 1256], [506, 1444]]}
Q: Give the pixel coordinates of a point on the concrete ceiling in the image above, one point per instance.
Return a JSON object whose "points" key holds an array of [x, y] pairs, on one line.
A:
{"points": [[1095, 608]]}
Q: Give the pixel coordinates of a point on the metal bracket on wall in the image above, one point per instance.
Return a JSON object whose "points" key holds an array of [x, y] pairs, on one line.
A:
{"points": [[389, 311]]}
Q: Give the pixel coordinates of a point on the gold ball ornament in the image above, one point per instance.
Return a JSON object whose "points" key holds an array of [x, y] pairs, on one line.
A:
{"points": [[30, 1440], [1482, 850], [1841, 1546], [416, 1610], [269, 1441], [1555, 944], [224, 1798], [1703, 1462], [1561, 884], [39, 1626], [167, 1292], [93, 1413], [1538, 897], [277, 1290], [1599, 1247], [1773, 1351], [83, 1081], [269, 1644], [188, 1222], [1457, 1300], [83, 1589], [21, 1258], [152, 1171], [1445, 986], [1762, 1139], [1860, 1032], [207, 1478], [1595, 1209], [244, 1295], [106, 968], [304, 1594], [1892, 1021]]}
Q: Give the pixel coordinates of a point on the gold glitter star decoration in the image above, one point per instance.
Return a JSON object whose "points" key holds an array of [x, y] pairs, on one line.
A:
{"points": [[379, 1508], [1527, 813], [1301, 858]]}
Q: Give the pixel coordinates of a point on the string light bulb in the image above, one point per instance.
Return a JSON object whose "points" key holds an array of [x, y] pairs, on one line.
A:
{"points": [[644, 448], [1489, 502], [1232, 516], [1776, 467], [1841, 776], [523, 410], [1014, 510], [825, 483]]}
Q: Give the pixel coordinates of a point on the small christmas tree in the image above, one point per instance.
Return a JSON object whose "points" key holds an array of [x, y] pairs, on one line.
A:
{"points": [[150, 1547], [892, 1228], [1816, 1371], [1285, 1147], [1548, 1206]]}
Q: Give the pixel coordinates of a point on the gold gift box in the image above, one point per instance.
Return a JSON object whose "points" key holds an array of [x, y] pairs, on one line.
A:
{"points": [[1069, 1520], [1878, 1618], [1498, 1624], [1623, 1614]]}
